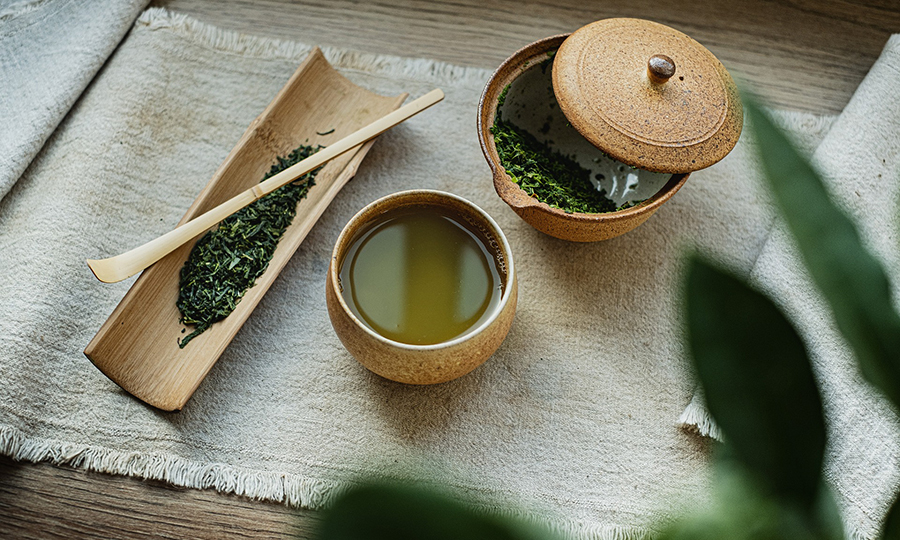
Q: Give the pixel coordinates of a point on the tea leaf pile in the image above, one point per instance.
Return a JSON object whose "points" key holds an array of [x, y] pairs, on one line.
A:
{"points": [[548, 176], [226, 262]]}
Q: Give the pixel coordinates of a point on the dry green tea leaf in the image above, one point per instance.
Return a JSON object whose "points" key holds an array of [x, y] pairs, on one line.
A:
{"points": [[226, 261]]}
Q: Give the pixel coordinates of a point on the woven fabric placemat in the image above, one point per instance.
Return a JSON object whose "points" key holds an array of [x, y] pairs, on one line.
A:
{"points": [[571, 422], [49, 52]]}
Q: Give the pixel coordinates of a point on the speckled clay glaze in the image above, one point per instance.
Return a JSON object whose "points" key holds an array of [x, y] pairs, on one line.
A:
{"points": [[553, 221], [643, 106], [422, 364], [684, 119]]}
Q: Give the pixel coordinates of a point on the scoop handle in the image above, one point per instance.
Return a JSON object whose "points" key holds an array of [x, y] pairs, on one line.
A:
{"points": [[114, 269]]}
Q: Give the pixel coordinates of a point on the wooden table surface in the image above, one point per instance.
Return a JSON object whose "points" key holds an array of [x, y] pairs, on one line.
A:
{"points": [[805, 55]]}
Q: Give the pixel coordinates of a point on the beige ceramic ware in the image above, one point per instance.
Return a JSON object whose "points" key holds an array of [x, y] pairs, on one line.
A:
{"points": [[137, 346], [630, 126], [420, 364], [648, 95]]}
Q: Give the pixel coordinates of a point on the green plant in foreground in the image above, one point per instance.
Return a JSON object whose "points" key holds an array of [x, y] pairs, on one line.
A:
{"points": [[760, 389], [380, 511], [227, 261], [756, 373]]}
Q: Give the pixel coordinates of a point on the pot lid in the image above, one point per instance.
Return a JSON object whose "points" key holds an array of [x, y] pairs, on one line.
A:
{"points": [[647, 95]]}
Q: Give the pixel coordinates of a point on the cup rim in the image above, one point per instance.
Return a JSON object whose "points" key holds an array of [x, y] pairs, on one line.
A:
{"points": [[356, 222]]}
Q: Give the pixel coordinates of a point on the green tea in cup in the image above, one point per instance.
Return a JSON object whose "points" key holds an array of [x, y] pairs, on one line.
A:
{"points": [[422, 275]]}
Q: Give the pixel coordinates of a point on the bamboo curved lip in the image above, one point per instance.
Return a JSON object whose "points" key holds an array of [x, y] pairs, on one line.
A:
{"points": [[648, 95]]}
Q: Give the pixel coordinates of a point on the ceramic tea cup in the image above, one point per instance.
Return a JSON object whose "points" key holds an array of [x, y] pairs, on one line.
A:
{"points": [[524, 82], [430, 363]]}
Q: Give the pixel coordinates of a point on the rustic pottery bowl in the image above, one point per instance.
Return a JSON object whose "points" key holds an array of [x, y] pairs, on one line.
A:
{"points": [[534, 95], [421, 364]]}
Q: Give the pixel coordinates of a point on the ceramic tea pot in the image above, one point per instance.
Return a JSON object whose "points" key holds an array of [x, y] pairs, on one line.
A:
{"points": [[637, 103]]}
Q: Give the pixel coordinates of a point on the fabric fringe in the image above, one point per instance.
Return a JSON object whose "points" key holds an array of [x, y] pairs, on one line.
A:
{"points": [[696, 418], [231, 42], [17, 9], [292, 490], [289, 489], [604, 532], [571, 529]]}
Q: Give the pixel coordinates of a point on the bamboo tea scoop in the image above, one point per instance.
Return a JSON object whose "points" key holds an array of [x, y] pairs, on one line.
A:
{"points": [[131, 262]]}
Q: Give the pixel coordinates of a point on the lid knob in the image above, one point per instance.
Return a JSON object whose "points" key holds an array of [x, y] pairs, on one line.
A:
{"points": [[631, 104], [660, 68]]}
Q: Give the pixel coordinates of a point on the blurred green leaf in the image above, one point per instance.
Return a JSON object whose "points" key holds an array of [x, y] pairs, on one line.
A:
{"points": [[851, 279], [891, 529], [740, 512], [401, 512], [828, 515], [758, 382]]}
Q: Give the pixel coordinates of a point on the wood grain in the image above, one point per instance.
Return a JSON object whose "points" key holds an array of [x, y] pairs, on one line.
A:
{"points": [[41, 501], [803, 54]]}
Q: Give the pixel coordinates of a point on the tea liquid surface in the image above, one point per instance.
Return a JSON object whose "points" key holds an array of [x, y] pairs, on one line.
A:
{"points": [[421, 275]]}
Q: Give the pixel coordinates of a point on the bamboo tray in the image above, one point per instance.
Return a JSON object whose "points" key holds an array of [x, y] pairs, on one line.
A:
{"points": [[137, 346]]}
